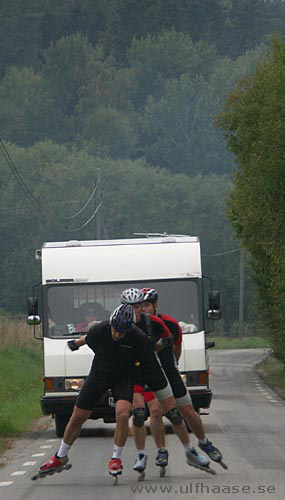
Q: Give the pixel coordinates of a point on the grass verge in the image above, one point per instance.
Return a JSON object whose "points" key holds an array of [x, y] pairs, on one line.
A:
{"points": [[272, 371], [236, 343], [20, 390]]}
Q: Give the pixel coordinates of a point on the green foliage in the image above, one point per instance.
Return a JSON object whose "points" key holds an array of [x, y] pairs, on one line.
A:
{"points": [[179, 132], [236, 343], [168, 55], [272, 372], [110, 131], [24, 107], [20, 389], [254, 125]]}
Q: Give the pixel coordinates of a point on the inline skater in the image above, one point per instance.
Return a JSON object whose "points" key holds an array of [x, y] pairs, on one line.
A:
{"points": [[117, 343], [169, 358], [159, 337]]}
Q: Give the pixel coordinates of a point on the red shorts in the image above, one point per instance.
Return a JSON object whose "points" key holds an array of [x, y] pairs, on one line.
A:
{"points": [[148, 395]]}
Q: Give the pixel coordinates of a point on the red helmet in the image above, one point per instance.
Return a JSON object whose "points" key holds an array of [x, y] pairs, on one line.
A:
{"points": [[150, 294]]}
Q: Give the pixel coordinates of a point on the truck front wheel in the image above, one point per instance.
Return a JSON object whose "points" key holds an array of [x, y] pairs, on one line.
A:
{"points": [[61, 422]]}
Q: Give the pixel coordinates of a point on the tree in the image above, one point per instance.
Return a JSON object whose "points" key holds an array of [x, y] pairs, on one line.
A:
{"points": [[178, 128], [65, 72], [253, 123], [25, 113], [20, 33], [167, 56]]}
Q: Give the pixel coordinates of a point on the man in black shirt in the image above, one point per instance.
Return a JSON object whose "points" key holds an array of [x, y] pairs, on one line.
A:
{"points": [[117, 343]]}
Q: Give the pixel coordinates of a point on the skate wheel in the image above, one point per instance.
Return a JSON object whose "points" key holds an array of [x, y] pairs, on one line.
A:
{"points": [[141, 476], [36, 476], [212, 471], [115, 479], [223, 465], [67, 466], [162, 472]]}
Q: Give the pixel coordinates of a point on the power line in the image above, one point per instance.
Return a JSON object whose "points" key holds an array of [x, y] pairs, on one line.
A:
{"points": [[27, 191], [84, 206], [17, 175]]}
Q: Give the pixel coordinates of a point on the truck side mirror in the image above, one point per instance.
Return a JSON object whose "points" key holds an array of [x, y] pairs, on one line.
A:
{"points": [[209, 345], [33, 317], [214, 311]]}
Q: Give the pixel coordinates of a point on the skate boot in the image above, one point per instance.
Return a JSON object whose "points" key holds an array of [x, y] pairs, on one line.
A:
{"points": [[198, 461], [53, 465], [140, 465], [162, 460], [115, 469], [213, 453]]}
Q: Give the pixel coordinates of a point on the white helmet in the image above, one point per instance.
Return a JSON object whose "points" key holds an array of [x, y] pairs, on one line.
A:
{"points": [[132, 296]]}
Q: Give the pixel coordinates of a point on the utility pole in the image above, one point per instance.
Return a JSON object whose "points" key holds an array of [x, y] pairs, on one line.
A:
{"points": [[98, 219], [241, 294]]}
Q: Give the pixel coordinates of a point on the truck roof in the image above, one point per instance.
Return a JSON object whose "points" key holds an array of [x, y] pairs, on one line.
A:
{"points": [[128, 241], [163, 257]]}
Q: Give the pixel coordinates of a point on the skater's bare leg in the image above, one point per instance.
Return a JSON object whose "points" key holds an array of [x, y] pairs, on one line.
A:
{"points": [[193, 419], [74, 425], [123, 409], [180, 429], [156, 423]]}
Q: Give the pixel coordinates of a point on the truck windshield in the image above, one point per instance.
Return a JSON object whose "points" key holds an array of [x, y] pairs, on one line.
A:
{"points": [[72, 309]]}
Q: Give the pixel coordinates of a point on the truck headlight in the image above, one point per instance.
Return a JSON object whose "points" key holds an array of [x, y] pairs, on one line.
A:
{"points": [[73, 384]]}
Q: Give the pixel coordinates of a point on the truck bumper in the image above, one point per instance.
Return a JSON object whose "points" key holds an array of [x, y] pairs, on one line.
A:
{"points": [[63, 405], [201, 398]]}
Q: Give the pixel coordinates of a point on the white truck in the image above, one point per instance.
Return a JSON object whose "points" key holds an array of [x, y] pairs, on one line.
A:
{"points": [[94, 273]]}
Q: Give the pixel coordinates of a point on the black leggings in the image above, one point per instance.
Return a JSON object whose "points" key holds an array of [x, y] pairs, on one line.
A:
{"points": [[94, 388]]}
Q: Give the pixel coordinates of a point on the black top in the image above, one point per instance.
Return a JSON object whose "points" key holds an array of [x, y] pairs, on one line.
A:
{"points": [[115, 358]]}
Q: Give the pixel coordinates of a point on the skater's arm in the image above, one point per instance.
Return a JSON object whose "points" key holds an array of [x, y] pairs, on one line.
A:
{"points": [[166, 337], [177, 351]]}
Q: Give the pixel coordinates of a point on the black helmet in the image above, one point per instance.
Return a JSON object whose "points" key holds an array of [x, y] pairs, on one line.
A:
{"points": [[132, 296], [150, 294], [123, 318]]}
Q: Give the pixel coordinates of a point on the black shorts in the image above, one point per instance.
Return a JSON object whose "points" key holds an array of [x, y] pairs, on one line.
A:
{"points": [[150, 375], [94, 388]]}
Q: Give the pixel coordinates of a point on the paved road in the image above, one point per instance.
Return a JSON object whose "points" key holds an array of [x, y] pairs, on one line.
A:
{"points": [[246, 421]]}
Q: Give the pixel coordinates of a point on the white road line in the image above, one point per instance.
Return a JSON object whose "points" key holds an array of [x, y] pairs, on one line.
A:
{"points": [[29, 463], [19, 473], [6, 483], [51, 440], [45, 446], [38, 454]]}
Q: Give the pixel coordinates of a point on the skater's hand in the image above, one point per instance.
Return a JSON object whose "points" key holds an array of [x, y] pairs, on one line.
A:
{"points": [[72, 345], [163, 342]]}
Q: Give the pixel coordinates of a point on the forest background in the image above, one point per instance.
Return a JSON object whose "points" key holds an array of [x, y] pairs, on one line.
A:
{"points": [[133, 88]]}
